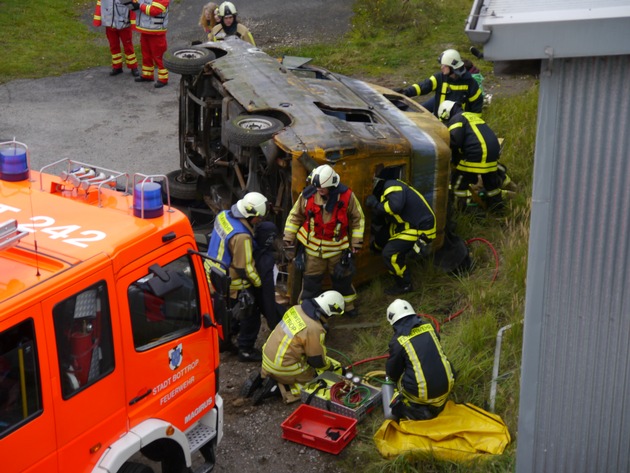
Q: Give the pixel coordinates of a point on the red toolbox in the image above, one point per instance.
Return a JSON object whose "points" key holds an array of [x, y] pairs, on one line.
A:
{"points": [[319, 429]]}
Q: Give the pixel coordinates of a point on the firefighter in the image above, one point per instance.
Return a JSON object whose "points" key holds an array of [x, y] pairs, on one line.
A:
{"points": [[475, 151], [229, 25], [114, 15], [403, 222], [265, 251], [231, 243], [417, 365], [295, 351], [453, 82], [151, 21], [328, 222]]}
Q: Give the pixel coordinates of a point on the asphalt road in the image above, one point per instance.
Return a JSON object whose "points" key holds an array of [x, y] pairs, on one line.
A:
{"points": [[131, 127]]}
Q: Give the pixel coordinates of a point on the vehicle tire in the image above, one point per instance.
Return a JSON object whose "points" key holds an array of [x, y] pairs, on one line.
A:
{"points": [[251, 130], [187, 61], [133, 467], [182, 185]]}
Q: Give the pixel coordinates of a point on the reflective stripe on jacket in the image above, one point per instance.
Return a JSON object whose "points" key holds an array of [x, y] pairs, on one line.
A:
{"points": [[325, 234], [111, 14], [409, 213], [296, 338], [152, 16], [463, 90], [418, 364], [227, 229], [474, 146]]}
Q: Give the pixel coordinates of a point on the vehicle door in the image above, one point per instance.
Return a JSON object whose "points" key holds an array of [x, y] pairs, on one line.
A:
{"points": [[170, 355], [87, 369], [27, 422]]}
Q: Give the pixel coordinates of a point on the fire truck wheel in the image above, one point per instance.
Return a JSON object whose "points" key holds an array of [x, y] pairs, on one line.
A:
{"points": [[182, 186], [187, 61], [133, 467], [251, 130]]}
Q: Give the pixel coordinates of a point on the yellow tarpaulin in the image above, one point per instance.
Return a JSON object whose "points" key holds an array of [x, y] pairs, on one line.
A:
{"points": [[461, 432]]}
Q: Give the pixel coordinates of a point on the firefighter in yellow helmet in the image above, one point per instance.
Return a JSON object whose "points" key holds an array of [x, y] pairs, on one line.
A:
{"points": [[229, 25], [417, 365]]}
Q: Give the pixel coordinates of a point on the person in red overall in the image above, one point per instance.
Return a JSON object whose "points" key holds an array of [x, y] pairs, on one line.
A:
{"points": [[114, 15], [150, 19]]}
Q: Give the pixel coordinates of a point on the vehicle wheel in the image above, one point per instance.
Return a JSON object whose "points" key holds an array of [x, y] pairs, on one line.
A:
{"points": [[187, 61], [251, 130], [182, 185], [133, 467]]}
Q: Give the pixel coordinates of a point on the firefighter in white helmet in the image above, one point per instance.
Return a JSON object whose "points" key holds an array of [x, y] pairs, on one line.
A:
{"points": [[231, 243], [453, 82], [295, 351], [328, 223], [229, 25], [475, 152], [417, 365]]}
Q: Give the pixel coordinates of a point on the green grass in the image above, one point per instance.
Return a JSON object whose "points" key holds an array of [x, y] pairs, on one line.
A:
{"points": [[391, 42], [47, 38]]}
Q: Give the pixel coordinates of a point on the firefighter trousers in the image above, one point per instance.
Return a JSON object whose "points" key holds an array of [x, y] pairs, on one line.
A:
{"points": [[316, 269]]}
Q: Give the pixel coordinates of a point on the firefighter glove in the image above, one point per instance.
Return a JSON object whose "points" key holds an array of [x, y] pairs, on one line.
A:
{"points": [[134, 5], [371, 201]]}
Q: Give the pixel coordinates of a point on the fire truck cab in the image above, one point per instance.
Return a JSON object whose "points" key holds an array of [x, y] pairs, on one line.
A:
{"points": [[108, 343]]}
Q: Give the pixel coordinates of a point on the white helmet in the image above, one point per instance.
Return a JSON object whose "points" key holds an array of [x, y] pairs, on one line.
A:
{"points": [[399, 309], [451, 58], [331, 302], [445, 109], [324, 176], [227, 9], [253, 204]]}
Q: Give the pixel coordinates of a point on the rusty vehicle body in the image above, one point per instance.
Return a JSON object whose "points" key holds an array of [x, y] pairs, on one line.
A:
{"points": [[249, 122]]}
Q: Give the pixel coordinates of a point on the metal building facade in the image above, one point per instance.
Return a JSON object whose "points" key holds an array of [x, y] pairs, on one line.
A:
{"points": [[575, 373]]}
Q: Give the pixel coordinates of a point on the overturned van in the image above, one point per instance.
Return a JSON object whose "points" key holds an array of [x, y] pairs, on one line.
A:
{"points": [[248, 122]]}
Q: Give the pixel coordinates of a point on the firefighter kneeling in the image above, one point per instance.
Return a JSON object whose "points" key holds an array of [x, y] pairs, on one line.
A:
{"points": [[417, 364], [295, 352]]}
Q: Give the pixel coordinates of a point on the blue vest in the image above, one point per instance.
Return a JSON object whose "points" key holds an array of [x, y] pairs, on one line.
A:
{"points": [[225, 227]]}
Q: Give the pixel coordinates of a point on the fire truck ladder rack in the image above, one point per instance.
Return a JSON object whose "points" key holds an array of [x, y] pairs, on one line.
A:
{"points": [[10, 235], [85, 177]]}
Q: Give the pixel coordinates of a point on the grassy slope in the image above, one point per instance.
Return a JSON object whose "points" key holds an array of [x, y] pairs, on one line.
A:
{"points": [[391, 42]]}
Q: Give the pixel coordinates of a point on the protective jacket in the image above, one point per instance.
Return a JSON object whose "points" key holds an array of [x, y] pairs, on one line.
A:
{"points": [[296, 346], [241, 31], [112, 14], [474, 146], [152, 16], [417, 363], [231, 243], [409, 214], [325, 226], [463, 90]]}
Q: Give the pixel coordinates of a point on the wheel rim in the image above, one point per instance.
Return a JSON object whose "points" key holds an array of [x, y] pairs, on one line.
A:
{"points": [[189, 54], [255, 124]]}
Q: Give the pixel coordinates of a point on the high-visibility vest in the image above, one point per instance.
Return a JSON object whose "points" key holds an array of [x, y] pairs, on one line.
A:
{"points": [[330, 236]]}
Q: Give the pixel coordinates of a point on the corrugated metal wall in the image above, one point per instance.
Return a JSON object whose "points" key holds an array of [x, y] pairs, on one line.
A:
{"points": [[575, 395]]}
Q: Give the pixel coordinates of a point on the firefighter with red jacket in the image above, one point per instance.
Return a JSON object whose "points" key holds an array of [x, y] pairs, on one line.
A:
{"points": [[114, 15], [328, 222], [151, 21]]}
